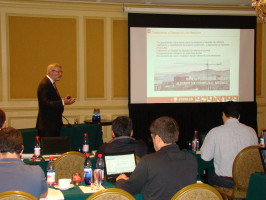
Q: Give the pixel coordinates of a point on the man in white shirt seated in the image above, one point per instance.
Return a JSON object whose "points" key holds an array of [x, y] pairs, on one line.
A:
{"points": [[224, 142]]}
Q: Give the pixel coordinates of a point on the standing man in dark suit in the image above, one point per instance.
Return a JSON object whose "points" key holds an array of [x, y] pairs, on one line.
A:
{"points": [[51, 106]]}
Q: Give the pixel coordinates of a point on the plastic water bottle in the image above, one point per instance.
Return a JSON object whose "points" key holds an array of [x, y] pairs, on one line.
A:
{"points": [[50, 172], [88, 178], [85, 147], [37, 148], [94, 116], [100, 165], [195, 142], [98, 116]]}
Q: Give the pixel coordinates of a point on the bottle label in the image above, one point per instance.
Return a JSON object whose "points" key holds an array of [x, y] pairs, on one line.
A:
{"points": [[195, 145], [50, 177], [37, 151], [102, 174], [85, 148]]}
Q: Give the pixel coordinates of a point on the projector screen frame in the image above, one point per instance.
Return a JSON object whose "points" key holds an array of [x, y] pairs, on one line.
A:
{"points": [[196, 21]]}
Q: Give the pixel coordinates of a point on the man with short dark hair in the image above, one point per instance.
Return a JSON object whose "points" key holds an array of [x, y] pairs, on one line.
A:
{"points": [[15, 175], [2, 119], [161, 174], [224, 142], [122, 139]]}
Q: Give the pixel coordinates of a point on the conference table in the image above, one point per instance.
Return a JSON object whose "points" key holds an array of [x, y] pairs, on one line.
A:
{"points": [[76, 193], [204, 167], [75, 133], [257, 187]]}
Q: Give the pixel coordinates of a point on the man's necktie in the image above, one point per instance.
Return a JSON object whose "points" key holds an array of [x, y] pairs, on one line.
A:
{"points": [[56, 90]]}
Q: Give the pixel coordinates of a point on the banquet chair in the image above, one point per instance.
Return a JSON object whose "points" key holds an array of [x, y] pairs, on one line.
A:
{"points": [[69, 163], [111, 194], [16, 195], [247, 162], [198, 191]]}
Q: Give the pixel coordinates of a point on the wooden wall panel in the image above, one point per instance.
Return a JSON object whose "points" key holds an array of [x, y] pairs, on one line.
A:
{"points": [[120, 58], [258, 59], [95, 57], [35, 42]]}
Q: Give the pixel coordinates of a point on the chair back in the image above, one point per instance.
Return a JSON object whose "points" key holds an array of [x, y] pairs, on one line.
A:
{"points": [[16, 195], [247, 162], [69, 163], [199, 192], [111, 193]]}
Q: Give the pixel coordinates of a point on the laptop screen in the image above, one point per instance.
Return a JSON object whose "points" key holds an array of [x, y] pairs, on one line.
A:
{"points": [[120, 163], [263, 157]]}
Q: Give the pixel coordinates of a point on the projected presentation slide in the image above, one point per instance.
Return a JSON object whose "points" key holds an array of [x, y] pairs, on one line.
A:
{"points": [[180, 65]]}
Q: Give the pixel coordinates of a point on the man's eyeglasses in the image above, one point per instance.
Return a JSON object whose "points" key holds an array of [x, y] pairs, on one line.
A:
{"points": [[58, 71]]}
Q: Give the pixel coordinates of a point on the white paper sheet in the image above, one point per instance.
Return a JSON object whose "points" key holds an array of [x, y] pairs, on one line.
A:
{"points": [[87, 189], [53, 194]]}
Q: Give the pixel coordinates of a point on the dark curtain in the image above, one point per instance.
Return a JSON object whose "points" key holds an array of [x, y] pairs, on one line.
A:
{"points": [[190, 117]]}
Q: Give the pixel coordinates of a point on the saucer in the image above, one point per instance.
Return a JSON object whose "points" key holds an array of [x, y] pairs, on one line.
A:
{"points": [[70, 186]]}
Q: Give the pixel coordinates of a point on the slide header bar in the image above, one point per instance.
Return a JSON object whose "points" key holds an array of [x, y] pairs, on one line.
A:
{"points": [[189, 11]]}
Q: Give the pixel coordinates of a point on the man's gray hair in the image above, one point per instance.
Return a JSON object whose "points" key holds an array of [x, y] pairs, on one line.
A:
{"points": [[52, 67]]}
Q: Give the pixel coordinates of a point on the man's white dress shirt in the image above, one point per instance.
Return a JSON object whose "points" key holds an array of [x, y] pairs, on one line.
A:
{"points": [[224, 142]]}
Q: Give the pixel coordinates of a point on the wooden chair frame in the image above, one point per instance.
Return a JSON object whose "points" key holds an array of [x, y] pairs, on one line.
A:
{"points": [[101, 193], [193, 187], [238, 186], [14, 194]]}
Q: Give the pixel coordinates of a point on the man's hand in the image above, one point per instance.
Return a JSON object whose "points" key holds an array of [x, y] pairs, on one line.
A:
{"points": [[68, 101], [122, 176]]}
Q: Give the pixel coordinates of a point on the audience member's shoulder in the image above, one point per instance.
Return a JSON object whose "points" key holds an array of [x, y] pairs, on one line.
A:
{"points": [[33, 168]]}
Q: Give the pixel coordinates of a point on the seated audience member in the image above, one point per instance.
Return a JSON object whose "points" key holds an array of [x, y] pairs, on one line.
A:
{"points": [[2, 119], [122, 139], [161, 174], [15, 175], [224, 142]]}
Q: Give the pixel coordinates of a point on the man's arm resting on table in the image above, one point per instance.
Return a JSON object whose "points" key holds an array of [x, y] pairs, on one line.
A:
{"points": [[135, 183]]}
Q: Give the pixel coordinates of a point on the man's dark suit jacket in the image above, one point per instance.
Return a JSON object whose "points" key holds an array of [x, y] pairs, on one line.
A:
{"points": [[123, 144], [49, 121]]}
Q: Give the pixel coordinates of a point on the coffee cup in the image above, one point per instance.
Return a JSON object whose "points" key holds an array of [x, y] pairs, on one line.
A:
{"points": [[64, 183]]}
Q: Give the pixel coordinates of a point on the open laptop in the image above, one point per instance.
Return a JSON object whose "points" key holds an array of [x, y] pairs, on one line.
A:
{"points": [[263, 157], [119, 163], [54, 146]]}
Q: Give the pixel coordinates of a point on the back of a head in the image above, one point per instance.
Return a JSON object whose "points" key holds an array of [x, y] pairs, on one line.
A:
{"points": [[10, 140], [122, 126], [167, 128], [231, 109], [2, 117]]}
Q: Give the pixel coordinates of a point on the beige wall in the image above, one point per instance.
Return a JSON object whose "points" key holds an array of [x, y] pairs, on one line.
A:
{"points": [[90, 41]]}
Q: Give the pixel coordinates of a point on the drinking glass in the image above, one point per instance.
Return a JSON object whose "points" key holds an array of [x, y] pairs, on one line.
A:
{"points": [[76, 178], [97, 179]]}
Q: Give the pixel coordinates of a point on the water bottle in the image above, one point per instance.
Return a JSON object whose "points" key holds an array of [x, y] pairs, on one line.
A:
{"points": [[85, 147], [261, 143], [50, 172], [37, 148], [94, 116], [195, 142], [100, 165], [88, 179], [98, 116]]}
